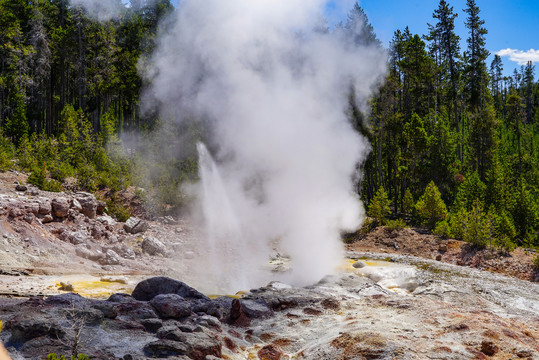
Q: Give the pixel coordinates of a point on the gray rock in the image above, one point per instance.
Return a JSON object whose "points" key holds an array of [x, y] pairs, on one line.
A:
{"points": [[45, 207], [130, 309], [152, 325], [32, 207], [165, 348], [111, 258], [15, 212], [171, 306], [196, 345], [21, 187], [125, 251], [29, 218], [77, 237], [410, 285], [47, 219], [150, 288], [68, 300], [152, 246], [359, 264], [27, 328], [86, 253], [256, 309], [209, 321], [106, 220], [60, 207], [142, 226], [121, 298], [108, 309], [75, 204], [130, 224], [134, 225], [171, 332], [88, 203]]}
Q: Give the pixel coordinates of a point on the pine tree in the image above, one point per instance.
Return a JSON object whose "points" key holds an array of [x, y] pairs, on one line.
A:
{"points": [[430, 206], [496, 78], [358, 29], [379, 207], [475, 70], [528, 80], [446, 49]]}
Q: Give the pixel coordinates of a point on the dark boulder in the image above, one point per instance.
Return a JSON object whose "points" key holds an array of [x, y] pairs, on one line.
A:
{"points": [[237, 315], [202, 345], [147, 289], [67, 299], [27, 328], [165, 348], [256, 309], [171, 306], [136, 311], [121, 298], [152, 325]]}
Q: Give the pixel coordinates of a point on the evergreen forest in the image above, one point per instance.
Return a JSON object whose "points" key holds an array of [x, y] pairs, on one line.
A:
{"points": [[455, 142]]}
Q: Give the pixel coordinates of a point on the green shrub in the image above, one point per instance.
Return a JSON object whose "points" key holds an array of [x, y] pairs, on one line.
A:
{"points": [[117, 210], [479, 228], [443, 229], [457, 223], [38, 177], [86, 177], [53, 356], [431, 207], [536, 262], [7, 153], [408, 202], [397, 224], [52, 186], [525, 214], [379, 206], [61, 170], [470, 190], [505, 230]]}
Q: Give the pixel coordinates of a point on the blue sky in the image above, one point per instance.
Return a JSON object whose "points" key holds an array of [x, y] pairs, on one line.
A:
{"points": [[511, 24]]}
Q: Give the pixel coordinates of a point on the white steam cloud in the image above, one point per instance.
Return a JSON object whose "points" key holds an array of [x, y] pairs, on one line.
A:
{"points": [[519, 56], [102, 10], [275, 87]]}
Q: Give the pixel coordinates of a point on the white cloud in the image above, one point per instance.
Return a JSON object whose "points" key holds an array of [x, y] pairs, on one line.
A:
{"points": [[519, 56]]}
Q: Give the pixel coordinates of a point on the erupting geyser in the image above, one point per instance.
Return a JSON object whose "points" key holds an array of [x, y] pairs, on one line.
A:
{"points": [[274, 85]]}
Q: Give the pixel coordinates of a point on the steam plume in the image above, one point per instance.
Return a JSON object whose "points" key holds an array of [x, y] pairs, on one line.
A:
{"points": [[274, 85], [102, 10]]}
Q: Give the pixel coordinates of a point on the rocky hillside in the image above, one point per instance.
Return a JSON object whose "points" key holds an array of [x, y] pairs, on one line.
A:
{"points": [[405, 307], [45, 233]]}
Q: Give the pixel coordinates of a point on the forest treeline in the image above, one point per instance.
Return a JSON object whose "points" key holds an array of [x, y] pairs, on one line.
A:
{"points": [[70, 85], [455, 142]]}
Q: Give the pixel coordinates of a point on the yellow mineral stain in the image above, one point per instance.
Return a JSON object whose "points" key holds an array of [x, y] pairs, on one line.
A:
{"points": [[346, 266], [215, 296], [376, 263], [92, 287]]}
